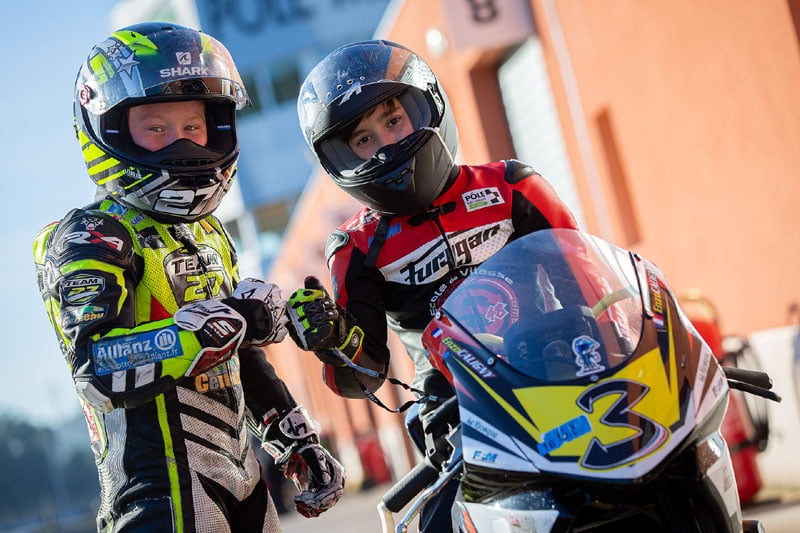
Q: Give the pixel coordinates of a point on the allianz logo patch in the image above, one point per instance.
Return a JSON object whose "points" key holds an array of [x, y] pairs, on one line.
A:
{"points": [[480, 198], [122, 353]]}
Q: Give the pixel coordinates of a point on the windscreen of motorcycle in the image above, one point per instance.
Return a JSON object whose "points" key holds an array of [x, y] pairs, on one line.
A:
{"points": [[557, 305]]}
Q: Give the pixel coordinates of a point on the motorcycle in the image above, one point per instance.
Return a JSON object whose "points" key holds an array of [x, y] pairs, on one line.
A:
{"points": [[584, 400]]}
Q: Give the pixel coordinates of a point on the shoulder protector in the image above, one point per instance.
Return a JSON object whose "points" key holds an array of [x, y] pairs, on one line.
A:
{"points": [[336, 241], [516, 171], [91, 234]]}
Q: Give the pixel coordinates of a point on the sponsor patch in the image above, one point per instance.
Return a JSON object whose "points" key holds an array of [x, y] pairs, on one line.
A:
{"points": [[123, 353], [570, 430], [91, 223], [118, 209], [468, 359], [83, 315], [149, 238], [93, 237], [221, 377], [81, 288], [480, 198]]}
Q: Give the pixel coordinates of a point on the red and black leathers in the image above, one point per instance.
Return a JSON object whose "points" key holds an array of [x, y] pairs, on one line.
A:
{"points": [[424, 257]]}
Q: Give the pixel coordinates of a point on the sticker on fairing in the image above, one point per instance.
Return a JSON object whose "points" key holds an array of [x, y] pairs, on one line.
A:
{"points": [[123, 353], [587, 356], [568, 431]]}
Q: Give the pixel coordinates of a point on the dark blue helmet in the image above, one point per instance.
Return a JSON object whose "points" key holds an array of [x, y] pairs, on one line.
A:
{"points": [[402, 178]]}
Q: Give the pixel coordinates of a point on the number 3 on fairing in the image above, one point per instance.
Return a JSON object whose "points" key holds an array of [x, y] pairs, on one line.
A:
{"points": [[649, 435]]}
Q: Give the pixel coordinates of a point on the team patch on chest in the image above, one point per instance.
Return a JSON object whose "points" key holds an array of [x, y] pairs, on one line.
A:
{"points": [[429, 261], [195, 276]]}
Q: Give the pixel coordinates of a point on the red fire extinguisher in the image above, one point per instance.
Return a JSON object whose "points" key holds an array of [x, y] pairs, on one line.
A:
{"points": [[745, 432]]}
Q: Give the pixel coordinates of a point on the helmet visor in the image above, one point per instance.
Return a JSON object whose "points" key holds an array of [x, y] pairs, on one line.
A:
{"points": [[355, 78], [339, 159]]}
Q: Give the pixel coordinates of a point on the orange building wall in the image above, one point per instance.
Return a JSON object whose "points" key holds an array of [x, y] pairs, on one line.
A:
{"points": [[704, 105], [692, 111]]}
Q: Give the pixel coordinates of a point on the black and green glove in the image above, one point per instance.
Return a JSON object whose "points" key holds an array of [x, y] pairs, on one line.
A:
{"points": [[317, 324]]}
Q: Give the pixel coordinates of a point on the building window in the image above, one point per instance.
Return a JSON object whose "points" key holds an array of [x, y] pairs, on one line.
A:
{"points": [[285, 82]]}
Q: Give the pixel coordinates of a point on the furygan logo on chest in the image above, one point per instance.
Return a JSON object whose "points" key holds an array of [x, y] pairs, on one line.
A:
{"points": [[471, 247]]}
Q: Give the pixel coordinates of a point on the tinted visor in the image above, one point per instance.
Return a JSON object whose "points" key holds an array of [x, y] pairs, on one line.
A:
{"points": [[352, 80], [339, 159]]}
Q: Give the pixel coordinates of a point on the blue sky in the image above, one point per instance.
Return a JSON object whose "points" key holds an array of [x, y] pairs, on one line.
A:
{"points": [[43, 176]]}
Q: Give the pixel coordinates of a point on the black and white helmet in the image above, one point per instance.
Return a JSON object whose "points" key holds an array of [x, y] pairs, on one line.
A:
{"points": [[151, 63], [401, 178]]}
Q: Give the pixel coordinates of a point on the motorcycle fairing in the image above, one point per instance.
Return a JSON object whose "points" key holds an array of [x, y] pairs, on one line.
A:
{"points": [[487, 445], [620, 427], [618, 424]]}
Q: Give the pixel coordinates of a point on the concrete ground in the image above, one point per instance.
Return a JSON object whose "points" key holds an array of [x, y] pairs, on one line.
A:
{"points": [[778, 509]]}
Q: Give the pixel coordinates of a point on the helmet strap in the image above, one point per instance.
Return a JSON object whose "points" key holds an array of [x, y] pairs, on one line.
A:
{"points": [[377, 241]]}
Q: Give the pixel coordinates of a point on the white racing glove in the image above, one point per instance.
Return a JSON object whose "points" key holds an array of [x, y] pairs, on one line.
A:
{"points": [[292, 441], [265, 310]]}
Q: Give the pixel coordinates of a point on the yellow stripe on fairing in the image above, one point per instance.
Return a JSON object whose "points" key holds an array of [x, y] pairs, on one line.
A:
{"points": [[521, 420], [550, 406]]}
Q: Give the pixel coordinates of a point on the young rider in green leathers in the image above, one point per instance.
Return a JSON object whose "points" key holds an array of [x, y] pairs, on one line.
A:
{"points": [[143, 290]]}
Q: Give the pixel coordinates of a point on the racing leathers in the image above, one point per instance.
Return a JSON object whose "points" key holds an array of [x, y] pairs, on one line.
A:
{"points": [[163, 370], [399, 270]]}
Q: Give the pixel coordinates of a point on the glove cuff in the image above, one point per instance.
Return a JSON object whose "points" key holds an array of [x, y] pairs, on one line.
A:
{"points": [[352, 346], [258, 320], [289, 431]]}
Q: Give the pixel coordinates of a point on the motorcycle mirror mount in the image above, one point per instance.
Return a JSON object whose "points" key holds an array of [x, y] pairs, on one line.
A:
{"points": [[751, 381]]}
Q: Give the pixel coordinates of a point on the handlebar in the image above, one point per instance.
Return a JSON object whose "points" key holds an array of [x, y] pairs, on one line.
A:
{"points": [[409, 486]]}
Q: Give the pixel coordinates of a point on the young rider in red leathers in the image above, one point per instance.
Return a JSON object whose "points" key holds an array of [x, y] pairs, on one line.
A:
{"points": [[381, 126]]}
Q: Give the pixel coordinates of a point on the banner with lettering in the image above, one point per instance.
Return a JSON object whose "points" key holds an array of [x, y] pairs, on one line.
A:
{"points": [[487, 24]]}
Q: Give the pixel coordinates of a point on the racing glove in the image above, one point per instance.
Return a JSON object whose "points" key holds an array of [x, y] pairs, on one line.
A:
{"points": [[263, 309], [220, 331], [317, 324], [292, 440], [437, 418]]}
